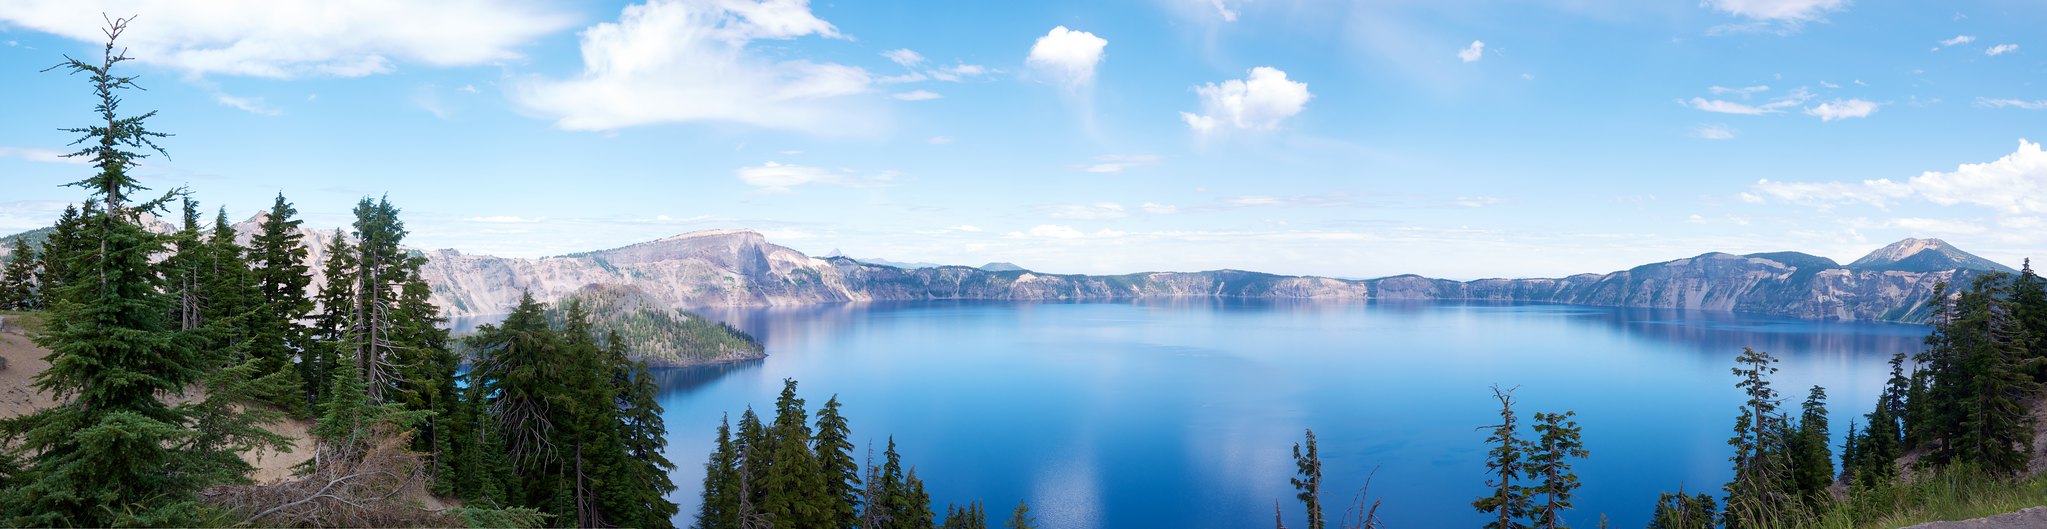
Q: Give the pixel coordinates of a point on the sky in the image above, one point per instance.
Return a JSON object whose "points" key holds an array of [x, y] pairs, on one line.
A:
{"points": [[1451, 138]]}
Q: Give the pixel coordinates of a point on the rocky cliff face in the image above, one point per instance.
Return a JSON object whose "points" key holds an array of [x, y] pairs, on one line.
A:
{"points": [[737, 268]]}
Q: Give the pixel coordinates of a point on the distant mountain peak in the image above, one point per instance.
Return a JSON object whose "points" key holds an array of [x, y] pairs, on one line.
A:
{"points": [[1000, 267], [1924, 255], [706, 234]]}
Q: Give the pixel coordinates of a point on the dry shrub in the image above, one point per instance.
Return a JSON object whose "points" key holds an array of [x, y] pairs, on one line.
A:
{"points": [[376, 482]]}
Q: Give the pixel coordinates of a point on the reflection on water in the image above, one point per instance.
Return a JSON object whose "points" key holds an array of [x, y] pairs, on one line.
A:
{"points": [[1180, 412]]}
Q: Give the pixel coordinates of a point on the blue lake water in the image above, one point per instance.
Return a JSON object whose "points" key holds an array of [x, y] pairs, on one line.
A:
{"points": [[1183, 413]]}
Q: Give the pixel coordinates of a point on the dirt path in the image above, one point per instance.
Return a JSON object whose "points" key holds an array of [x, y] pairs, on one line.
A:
{"points": [[2026, 519]]}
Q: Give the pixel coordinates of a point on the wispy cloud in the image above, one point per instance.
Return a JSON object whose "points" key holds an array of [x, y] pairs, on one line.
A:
{"points": [[1095, 211], [505, 219], [1958, 40], [1116, 163], [41, 155], [2001, 49], [918, 95], [2012, 103], [774, 177], [252, 105], [1713, 132]]}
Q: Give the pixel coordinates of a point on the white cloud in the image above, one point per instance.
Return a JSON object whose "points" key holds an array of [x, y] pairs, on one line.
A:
{"points": [[1095, 211], [1793, 98], [1054, 231], [939, 140], [1842, 109], [773, 177], [2001, 49], [2012, 103], [1223, 10], [1792, 11], [917, 95], [1116, 163], [1472, 53], [1744, 91], [969, 228], [1068, 57], [41, 155], [469, 88], [2015, 185], [1258, 102], [905, 57], [284, 39], [1475, 202], [669, 61], [252, 105], [505, 219], [1159, 209], [1958, 40], [1937, 226], [959, 72], [1713, 132]]}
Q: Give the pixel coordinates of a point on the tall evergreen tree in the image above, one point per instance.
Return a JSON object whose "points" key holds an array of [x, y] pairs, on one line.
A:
{"points": [[18, 283], [1679, 511], [970, 516], [1509, 502], [1557, 441], [333, 323], [1308, 466], [57, 252], [281, 337], [1756, 493], [640, 488], [794, 485], [720, 505], [98, 457], [1812, 457], [840, 472]]}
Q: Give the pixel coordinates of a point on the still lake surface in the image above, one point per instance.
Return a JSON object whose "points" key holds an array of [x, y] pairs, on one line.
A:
{"points": [[1183, 413]]}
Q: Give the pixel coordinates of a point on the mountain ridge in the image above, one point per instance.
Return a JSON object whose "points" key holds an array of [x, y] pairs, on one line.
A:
{"points": [[741, 268]]}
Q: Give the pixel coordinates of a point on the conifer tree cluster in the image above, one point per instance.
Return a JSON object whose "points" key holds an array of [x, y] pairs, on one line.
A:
{"points": [[21, 278], [784, 474], [1543, 461]]}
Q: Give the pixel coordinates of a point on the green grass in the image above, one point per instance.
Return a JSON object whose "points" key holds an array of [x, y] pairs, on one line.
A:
{"points": [[23, 322], [1944, 495]]}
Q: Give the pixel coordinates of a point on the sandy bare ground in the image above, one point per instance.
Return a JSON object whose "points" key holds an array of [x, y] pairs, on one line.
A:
{"points": [[17, 397], [2030, 518]]}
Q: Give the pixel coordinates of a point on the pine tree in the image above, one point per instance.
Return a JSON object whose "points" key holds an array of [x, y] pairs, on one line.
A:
{"points": [[721, 484], [835, 458], [1756, 492], [333, 323], [1557, 441], [65, 242], [18, 281], [1308, 465], [1021, 518], [98, 458], [642, 488], [1851, 453], [281, 337], [899, 508], [793, 487], [1679, 511], [969, 516], [919, 512], [1812, 459], [1508, 503]]}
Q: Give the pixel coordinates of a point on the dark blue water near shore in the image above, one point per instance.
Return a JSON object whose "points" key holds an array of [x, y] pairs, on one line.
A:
{"points": [[1182, 413]]}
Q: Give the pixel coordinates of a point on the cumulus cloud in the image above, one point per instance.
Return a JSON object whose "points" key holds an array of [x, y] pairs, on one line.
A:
{"points": [[1066, 56], [1472, 53], [669, 61], [917, 95], [2001, 49], [1713, 132], [2015, 184], [1842, 109], [285, 39], [1258, 102], [773, 177], [1116, 163]]}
